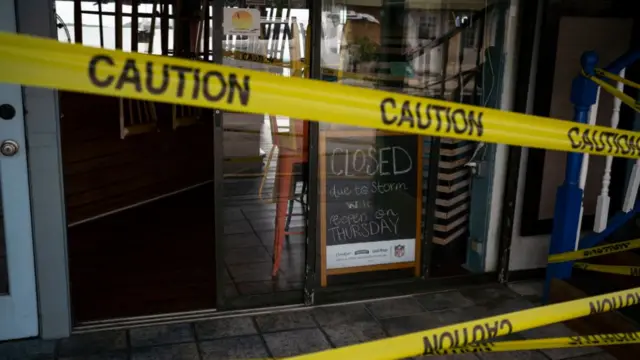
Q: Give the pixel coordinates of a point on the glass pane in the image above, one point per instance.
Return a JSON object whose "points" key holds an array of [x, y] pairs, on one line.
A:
{"points": [[4, 275], [154, 33], [265, 169], [373, 186]]}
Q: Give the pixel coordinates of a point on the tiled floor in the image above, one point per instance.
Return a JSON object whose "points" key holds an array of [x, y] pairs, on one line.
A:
{"points": [[249, 234], [248, 240], [294, 332]]}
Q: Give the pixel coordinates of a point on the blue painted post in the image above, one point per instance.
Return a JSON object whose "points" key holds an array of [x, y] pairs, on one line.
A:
{"points": [[569, 195], [623, 61]]}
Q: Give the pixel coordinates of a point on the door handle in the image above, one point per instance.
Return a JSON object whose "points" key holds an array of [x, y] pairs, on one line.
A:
{"points": [[9, 148]]}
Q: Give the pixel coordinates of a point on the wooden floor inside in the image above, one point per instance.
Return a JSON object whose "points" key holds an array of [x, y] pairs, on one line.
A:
{"points": [[152, 259]]}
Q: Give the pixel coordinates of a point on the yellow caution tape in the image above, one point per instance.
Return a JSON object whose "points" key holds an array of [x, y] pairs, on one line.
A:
{"points": [[611, 269], [628, 100], [617, 78], [595, 251], [48, 63], [550, 343], [481, 330], [257, 58]]}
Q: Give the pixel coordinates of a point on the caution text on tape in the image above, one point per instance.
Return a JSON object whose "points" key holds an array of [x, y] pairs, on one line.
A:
{"points": [[540, 344], [595, 251], [477, 331], [47, 63]]}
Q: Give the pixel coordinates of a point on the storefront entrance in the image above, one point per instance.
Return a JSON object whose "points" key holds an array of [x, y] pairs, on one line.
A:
{"points": [[18, 312], [181, 211]]}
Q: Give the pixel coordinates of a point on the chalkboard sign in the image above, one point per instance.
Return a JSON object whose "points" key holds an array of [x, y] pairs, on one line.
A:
{"points": [[371, 196]]}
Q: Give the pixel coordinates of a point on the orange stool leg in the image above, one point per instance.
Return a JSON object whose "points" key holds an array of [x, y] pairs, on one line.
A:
{"points": [[284, 180]]}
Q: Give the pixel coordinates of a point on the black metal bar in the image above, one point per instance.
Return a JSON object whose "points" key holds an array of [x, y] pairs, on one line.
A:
{"points": [[218, 178], [206, 32], [100, 24], [118, 24], [134, 27], [164, 28], [77, 21], [313, 252], [179, 29]]}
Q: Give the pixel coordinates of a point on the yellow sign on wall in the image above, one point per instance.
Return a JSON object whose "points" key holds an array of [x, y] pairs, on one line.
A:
{"points": [[241, 22]]}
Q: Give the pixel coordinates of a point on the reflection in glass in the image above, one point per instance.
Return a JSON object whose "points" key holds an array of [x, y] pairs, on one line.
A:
{"points": [[4, 275], [99, 26], [443, 50], [265, 170]]}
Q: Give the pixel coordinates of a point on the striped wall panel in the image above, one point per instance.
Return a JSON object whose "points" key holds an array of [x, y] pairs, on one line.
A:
{"points": [[453, 191]]}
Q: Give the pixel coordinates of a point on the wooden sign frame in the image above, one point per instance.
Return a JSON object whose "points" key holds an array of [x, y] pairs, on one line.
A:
{"points": [[322, 146]]}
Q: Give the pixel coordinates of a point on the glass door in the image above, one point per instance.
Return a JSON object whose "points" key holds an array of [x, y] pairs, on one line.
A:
{"points": [[261, 161], [18, 310], [395, 208]]}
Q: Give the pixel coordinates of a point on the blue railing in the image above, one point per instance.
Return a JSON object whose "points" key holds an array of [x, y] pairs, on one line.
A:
{"points": [[569, 197]]}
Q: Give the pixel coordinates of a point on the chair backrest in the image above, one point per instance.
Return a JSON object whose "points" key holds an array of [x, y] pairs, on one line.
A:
{"points": [[137, 117], [292, 136]]}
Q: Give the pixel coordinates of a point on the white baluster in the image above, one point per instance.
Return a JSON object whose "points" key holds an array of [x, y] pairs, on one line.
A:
{"points": [[632, 188], [602, 207], [584, 168]]}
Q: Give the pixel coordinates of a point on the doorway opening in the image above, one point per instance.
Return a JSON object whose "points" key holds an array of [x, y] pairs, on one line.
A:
{"points": [[139, 176]]}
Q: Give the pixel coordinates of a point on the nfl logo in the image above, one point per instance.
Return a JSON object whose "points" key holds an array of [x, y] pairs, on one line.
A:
{"points": [[399, 250]]}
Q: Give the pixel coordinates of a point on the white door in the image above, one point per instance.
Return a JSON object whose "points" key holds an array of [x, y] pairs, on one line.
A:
{"points": [[18, 307]]}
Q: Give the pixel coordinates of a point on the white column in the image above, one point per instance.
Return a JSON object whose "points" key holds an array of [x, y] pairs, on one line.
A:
{"points": [[602, 207]]}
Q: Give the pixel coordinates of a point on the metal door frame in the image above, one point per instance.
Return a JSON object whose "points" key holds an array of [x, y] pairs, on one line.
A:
{"points": [[18, 308], [331, 294], [218, 178], [313, 251]]}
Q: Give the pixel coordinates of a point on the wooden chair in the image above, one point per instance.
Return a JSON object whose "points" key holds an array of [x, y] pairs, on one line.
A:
{"points": [[280, 137], [137, 117], [185, 115]]}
